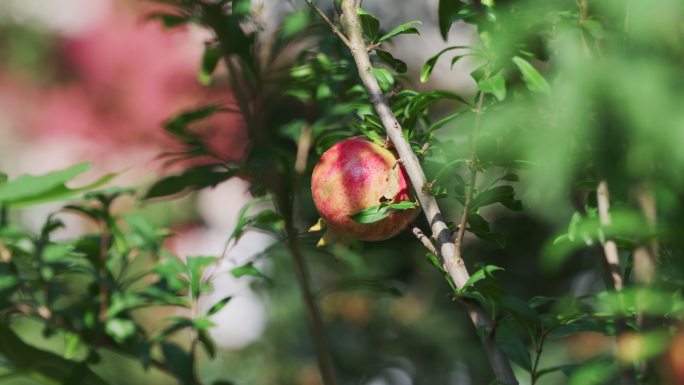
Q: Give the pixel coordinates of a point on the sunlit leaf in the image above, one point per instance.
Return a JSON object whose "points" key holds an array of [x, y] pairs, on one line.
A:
{"points": [[406, 28]]}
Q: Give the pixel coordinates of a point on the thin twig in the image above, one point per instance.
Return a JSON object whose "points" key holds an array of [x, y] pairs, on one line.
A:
{"points": [[332, 25], [609, 258], [303, 146], [538, 351], [425, 241], [610, 251], [454, 265], [458, 242], [313, 314], [646, 255]]}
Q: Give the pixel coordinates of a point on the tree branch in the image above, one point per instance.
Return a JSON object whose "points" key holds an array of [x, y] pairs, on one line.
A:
{"points": [[425, 241], [608, 255], [312, 312], [610, 251], [646, 255], [458, 242], [332, 25], [454, 265]]}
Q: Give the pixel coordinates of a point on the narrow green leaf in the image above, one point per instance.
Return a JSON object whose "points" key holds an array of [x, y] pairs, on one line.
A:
{"points": [[479, 275], [218, 306], [242, 7], [499, 194], [120, 329], [370, 133], [405, 28], [210, 59], [534, 80], [179, 362], [443, 121], [195, 269], [294, 23], [381, 211], [452, 10], [390, 60], [384, 77], [431, 62], [168, 20], [206, 341], [195, 178], [495, 85], [247, 269], [27, 186], [369, 24], [63, 192], [512, 344]]}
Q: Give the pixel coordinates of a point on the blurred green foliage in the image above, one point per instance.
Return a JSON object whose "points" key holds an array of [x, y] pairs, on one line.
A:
{"points": [[569, 93]]}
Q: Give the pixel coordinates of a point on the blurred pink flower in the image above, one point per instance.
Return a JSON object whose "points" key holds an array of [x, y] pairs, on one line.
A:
{"points": [[119, 81]]}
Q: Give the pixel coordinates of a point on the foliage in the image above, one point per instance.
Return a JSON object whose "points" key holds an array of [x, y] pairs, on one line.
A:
{"points": [[568, 95]]}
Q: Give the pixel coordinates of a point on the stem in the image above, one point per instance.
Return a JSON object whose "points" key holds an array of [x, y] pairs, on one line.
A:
{"points": [[538, 351], [4, 216], [246, 100], [313, 315], [458, 242], [332, 25], [425, 240], [611, 258], [608, 254], [454, 265], [645, 256]]}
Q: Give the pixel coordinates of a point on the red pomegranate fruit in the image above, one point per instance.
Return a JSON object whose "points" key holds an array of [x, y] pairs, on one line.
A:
{"points": [[356, 174]]}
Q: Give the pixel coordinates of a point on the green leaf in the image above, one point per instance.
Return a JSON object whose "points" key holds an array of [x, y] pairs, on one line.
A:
{"points": [[522, 313], [218, 306], [443, 121], [120, 329], [179, 363], [452, 10], [499, 194], [370, 133], [511, 343], [45, 365], [390, 60], [210, 59], [405, 28], [56, 252], [593, 373], [434, 261], [168, 20], [294, 23], [267, 220], [534, 80], [381, 211], [594, 28], [495, 238], [195, 178], [384, 77], [247, 269], [495, 85], [177, 126], [479, 275], [195, 269], [242, 7], [29, 186], [369, 24], [206, 341], [431, 62]]}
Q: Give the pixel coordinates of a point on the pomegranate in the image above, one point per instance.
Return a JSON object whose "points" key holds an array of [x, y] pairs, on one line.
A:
{"points": [[354, 175]]}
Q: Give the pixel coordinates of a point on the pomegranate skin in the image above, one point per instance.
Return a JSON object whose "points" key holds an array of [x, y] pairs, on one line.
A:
{"points": [[354, 175]]}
